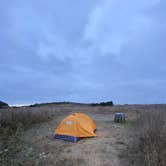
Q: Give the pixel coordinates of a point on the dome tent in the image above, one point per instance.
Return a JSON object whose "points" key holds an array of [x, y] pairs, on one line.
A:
{"points": [[74, 127]]}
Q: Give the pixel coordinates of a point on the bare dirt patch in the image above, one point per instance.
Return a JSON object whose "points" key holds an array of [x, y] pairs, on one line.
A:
{"points": [[102, 150]]}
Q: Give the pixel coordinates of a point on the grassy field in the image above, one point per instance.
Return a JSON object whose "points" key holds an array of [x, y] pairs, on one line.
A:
{"points": [[26, 136]]}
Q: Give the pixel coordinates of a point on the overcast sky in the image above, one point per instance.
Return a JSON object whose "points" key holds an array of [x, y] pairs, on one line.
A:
{"points": [[83, 51]]}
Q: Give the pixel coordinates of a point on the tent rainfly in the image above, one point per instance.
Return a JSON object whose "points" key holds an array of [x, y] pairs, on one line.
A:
{"points": [[74, 127]]}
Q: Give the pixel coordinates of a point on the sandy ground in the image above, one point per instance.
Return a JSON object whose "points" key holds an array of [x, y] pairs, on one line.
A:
{"points": [[103, 150]]}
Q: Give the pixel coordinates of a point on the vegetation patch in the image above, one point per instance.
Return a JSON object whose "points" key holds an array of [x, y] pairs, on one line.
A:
{"points": [[108, 103], [148, 144], [13, 150]]}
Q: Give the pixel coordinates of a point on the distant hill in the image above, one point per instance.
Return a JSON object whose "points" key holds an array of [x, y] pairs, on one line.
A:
{"points": [[108, 103], [3, 105], [55, 103]]}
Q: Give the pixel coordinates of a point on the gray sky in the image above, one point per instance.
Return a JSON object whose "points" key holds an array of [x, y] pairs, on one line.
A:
{"points": [[83, 51]]}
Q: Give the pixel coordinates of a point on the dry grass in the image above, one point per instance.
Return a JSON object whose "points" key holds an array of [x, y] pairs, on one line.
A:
{"points": [[13, 118], [148, 146], [13, 123], [153, 137], [19, 146]]}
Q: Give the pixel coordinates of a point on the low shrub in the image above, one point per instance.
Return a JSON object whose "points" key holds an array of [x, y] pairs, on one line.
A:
{"points": [[108, 103], [13, 123], [149, 139], [10, 119]]}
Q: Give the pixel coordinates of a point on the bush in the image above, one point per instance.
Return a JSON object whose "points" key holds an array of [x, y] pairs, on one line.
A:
{"points": [[13, 122], [10, 119], [150, 139], [108, 103]]}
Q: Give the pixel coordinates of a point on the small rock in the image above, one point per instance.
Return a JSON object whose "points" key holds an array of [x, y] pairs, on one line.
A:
{"points": [[5, 150]]}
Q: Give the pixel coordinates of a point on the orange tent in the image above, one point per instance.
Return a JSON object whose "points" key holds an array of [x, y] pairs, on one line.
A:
{"points": [[75, 125]]}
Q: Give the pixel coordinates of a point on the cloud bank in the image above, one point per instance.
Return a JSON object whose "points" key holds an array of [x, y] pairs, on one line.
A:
{"points": [[83, 51]]}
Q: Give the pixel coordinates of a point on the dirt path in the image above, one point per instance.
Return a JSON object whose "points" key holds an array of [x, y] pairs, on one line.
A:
{"points": [[103, 150]]}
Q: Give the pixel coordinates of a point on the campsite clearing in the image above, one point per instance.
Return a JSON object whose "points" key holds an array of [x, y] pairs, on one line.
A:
{"points": [[37, 145], [103, 150]]}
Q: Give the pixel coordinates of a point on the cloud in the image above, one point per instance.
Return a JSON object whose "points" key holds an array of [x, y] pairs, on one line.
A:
{"points": [[92, 51], [113, 24]]}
